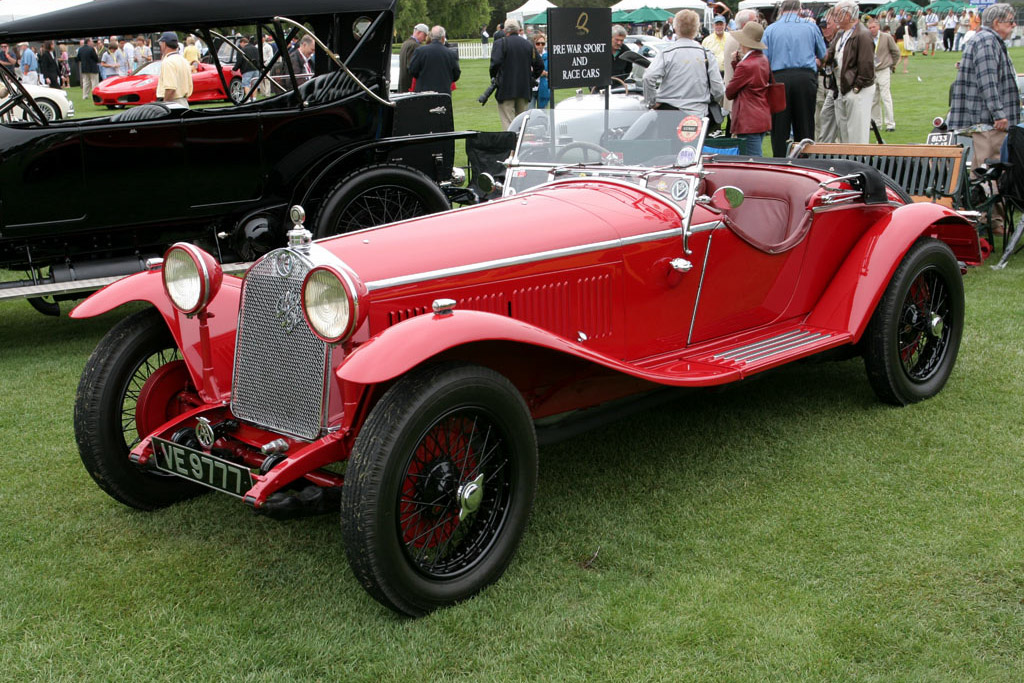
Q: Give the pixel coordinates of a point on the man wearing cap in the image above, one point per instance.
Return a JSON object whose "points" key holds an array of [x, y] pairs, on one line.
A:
{"points": [[886, 57], [435, 66], [716, 42], [852, 56], [419, 34], [793, 47], [174, 84]]}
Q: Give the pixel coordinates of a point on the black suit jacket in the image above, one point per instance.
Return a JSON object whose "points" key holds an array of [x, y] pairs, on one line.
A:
{"points": [[516, 65], [435, 67]]}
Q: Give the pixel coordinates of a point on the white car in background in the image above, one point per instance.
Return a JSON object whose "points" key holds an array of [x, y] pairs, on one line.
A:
{"points": [[53, 102]]}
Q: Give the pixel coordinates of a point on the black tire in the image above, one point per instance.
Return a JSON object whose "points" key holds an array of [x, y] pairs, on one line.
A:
{"points": [[409, 479], [913, 338], [377, 195], [236, 92], [105, 411]]}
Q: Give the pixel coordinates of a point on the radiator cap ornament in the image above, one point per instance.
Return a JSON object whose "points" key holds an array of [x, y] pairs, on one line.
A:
{"points": [[298, 236]]}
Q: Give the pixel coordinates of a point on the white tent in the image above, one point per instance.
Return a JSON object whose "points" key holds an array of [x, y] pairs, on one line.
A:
{"points": [[670, 5], [531, 8], [18, 9]]}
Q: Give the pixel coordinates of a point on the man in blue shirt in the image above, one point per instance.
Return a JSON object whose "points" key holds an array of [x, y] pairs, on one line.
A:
{"points": [[794, 47], [29, 64]]}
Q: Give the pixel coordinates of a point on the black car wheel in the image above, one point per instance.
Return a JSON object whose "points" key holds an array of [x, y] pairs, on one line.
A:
{"points": [[236, 92], [377, 195], [439, 487], [133, 382], [912, 341]]}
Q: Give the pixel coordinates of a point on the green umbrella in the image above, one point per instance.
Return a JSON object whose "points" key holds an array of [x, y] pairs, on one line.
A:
{"points": [[943, 6], [646, 15], [541, 18], [897, 6], [619, 16]]}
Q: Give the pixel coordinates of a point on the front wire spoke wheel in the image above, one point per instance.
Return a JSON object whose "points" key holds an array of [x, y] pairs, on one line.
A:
{"points": [[439, 487]]}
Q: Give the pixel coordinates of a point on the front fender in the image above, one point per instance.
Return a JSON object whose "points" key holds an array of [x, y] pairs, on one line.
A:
{"points": [[402, 347], [213, 378], [858, 285]]}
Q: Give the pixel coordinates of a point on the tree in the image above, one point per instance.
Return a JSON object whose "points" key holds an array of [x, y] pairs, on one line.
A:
{"points": [[410, 13], [460, 18]]}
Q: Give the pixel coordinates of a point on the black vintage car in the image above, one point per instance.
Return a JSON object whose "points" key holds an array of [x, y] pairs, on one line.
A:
{"points": [[73, 209]]}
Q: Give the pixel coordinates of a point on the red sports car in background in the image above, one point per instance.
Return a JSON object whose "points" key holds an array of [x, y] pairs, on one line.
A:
{"points": [[140, 87]]}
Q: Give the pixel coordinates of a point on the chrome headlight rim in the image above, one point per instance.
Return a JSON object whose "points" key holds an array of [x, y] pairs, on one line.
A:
{"points": [[196, 256], [352, 300]]}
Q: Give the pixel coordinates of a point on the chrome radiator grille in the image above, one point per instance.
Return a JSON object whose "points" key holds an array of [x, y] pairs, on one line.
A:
{"points": [[280, 375]]}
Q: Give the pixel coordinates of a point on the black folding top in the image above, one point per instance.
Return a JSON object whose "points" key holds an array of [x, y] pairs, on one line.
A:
{"points": [[137, 16]]}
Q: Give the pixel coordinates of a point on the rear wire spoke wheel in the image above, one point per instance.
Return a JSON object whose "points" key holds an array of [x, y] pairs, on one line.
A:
{"points": [[133, 382], [914, 335], [439, 487], [378, 195]]}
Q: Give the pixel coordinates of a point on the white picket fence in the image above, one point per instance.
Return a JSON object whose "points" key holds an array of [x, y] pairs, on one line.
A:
{"points": [[471, 50]]}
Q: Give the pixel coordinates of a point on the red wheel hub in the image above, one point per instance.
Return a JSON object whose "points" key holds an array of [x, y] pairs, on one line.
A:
{"points": [[163, 396]]}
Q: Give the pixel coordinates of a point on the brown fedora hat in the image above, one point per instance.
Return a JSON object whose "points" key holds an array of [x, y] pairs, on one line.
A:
{"points": [[749, 36]]}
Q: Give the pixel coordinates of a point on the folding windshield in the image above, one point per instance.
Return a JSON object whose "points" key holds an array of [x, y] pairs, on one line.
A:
{"points": [[626, 144]]}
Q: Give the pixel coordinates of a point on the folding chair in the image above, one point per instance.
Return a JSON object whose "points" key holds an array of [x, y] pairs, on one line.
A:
{"points": [[1011, 194]]}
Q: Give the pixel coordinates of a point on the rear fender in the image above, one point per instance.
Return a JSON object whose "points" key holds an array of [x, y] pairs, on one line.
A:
{"points": [[221, 321], [858, 285]]}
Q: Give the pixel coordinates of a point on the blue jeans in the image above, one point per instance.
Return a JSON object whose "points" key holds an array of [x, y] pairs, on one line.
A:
{"points": [[750, 144]]}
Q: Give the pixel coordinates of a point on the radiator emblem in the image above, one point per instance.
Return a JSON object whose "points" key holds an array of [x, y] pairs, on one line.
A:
{"points": [[284, 263], [289, 310]]}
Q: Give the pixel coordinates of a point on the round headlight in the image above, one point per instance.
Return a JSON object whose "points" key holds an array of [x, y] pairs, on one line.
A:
{"points": [[328, 304], [191, 277]]}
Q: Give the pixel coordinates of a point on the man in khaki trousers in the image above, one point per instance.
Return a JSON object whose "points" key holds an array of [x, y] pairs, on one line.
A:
{"points": [[886, 57]]}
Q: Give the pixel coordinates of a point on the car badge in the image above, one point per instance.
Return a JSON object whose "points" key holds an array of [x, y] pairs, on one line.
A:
{"points": [[439, 110], [284, 263], [661, 186], [680, 189], [289, 310], [689, 128], [205, 433], [687, 156]]}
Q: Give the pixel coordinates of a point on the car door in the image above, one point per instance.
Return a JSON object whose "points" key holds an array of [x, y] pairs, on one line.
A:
{"points": [[135, 171], [41, 179]]}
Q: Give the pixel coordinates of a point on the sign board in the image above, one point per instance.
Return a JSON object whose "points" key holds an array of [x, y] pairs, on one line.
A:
{"points": [[579, 47]]}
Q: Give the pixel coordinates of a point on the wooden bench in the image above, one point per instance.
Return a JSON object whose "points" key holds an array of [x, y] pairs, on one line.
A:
{"points": [[928, 173]]}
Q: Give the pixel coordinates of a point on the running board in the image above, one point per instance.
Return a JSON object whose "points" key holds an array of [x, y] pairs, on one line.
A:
{"points": [[717, 362], [778, 348], [30, 291]]}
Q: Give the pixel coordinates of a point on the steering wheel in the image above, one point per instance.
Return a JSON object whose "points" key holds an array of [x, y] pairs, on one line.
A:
{"points": [[17, 96], [621, 82], [581, 145]]}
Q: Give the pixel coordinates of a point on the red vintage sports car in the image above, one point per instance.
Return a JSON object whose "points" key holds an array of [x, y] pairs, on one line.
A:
{"points": [[405, 373], [140, 87]]}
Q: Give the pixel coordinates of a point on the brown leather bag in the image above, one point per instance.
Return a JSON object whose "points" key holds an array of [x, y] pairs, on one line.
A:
{"points": [[776, 96]]}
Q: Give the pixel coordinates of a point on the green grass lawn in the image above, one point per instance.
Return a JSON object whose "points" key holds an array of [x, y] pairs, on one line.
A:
{"points": [[788, 527]]}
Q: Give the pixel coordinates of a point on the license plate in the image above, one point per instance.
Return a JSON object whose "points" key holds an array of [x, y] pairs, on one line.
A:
{"points": [[202, 468], [940, 139]]}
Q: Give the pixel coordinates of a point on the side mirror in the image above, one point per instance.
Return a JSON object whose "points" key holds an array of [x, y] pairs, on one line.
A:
{"points": [[487, 183], [727, 197]]}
